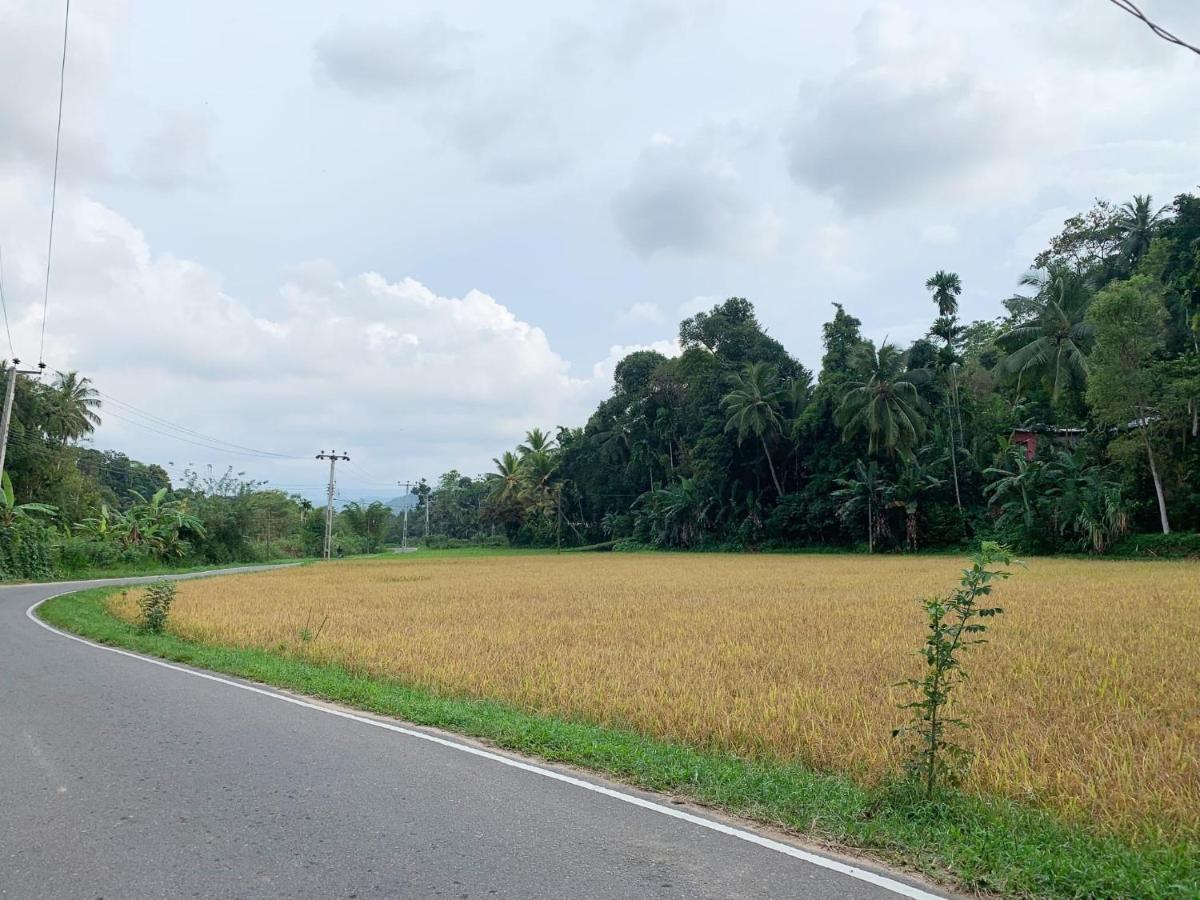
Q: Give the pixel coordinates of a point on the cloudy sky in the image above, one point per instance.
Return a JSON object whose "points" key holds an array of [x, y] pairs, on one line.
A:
{"points": [[411, 231]]}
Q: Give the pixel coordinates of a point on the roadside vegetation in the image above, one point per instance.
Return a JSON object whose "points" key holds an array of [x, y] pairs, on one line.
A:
{"points": [[70, 511], [765, 685], [1069, 424]]}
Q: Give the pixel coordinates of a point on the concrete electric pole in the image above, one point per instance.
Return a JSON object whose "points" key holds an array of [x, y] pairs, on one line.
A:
{"points": [[333, 456], [10, 392], [407, 485]]}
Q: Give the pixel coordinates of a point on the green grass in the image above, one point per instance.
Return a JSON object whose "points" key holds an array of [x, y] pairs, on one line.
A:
{"points": [[973, 842], [135, 570]]}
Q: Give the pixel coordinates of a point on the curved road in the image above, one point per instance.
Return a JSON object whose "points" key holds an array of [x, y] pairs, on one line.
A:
{"points": [[124, 777]]}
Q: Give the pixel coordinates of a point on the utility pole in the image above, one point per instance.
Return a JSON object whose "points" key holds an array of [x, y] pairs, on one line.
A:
{"points": [[407, 485], [9, 393], [333, 456]]}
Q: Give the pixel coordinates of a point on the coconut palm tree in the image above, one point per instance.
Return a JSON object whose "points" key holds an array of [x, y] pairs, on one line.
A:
{"points": [[753, 407], [536, 441], [945, 288], [1135, 222], [72, 413], [507, 479], [865, 492], [884, 402], [1053, 344]]}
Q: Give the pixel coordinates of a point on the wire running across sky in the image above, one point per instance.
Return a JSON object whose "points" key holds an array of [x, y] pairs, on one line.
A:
{"points": [[62, 80], [134, 415], [1130, 7]]}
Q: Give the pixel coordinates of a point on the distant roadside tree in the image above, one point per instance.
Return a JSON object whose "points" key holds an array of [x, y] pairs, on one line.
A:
{"points": [[1128, 318]]}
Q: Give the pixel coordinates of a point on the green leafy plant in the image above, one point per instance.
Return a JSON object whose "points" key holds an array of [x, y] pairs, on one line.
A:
{"points": [[155, 603], [954, 624]]}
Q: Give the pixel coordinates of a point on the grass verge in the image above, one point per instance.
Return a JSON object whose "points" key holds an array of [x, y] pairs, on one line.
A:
{"points": [[973, 842], [140, 570]]}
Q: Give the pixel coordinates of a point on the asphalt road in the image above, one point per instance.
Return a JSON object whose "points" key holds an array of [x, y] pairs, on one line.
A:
{"points": [[121, 778]]}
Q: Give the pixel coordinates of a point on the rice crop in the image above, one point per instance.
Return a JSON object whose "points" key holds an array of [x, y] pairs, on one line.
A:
{"points": [[1086, 700]]}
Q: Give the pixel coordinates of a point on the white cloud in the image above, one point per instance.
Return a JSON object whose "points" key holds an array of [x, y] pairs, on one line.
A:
{"points": [[682, 199], [641, 314], [390, 370]]}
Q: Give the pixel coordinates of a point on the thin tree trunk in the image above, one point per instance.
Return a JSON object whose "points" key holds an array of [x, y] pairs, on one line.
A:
{"points": [[870, 526], [771, 465], [1158, 489], [954, 466], [957, 402]]}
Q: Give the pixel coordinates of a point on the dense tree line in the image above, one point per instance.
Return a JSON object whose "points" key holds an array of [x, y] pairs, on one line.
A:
{"points": [[1064, 425]]}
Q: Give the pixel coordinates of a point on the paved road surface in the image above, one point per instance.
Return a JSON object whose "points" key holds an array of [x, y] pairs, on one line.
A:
{"points": [[122, 778]]}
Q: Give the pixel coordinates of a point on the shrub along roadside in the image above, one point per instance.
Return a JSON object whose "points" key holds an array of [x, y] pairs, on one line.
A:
{"points": [[977, 843]]}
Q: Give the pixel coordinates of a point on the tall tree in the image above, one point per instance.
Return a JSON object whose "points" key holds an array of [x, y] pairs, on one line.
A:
{"points": [[536, 441], [1135, 222], [884, 402], [506, 481], [946, 289], [1129, 320], [73, 404], [753, 407], [1052, 337]]}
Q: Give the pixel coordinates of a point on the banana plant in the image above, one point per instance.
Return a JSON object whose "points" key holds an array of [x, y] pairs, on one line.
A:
{"points": [[12, 512]]}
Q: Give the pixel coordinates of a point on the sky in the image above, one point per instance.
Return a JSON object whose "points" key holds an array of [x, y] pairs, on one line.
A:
{"points": [[410, 232]]}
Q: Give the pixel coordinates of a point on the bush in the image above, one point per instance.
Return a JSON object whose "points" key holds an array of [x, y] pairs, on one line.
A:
{"points": [[25, 552], [630, 545], [74, 554], [1179, 545], [155, 604], [442, 542]]}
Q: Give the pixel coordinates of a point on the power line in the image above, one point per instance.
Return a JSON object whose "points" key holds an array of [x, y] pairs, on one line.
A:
{"points": [[158, 420], [1130, 7], [4, 306], [179, 437], [62, 80]]}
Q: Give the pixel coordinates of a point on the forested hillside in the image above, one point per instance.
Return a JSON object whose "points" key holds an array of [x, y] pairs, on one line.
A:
{"points": [[1065, 425]]}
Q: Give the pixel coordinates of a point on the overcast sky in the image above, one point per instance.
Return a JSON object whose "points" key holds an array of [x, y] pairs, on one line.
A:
{"points": [[411, 231]]}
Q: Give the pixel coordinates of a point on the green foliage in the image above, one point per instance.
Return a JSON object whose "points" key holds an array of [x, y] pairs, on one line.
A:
{"points": [[155, 603], [955, 623], [1176, 545], [884, 402]]}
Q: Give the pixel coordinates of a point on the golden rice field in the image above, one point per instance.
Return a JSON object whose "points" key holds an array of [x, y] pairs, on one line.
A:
{"points": [[1086, 700]]}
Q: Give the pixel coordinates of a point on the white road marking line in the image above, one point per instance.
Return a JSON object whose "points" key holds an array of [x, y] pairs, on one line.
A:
{"points": [[881, 881]]}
